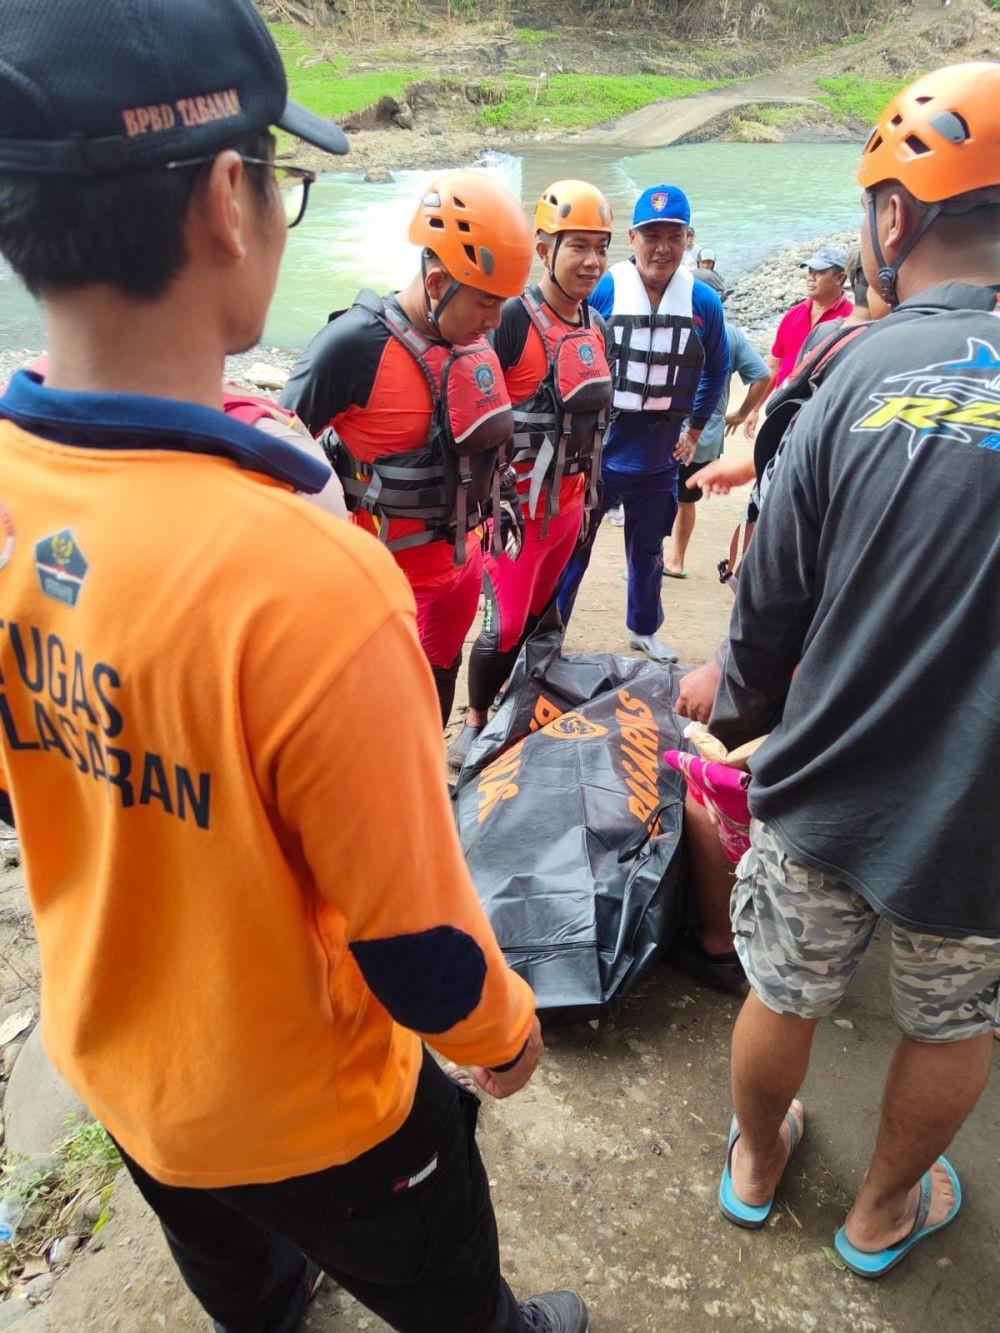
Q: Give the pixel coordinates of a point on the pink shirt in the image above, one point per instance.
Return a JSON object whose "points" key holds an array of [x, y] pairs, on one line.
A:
{"points": [[794, 329]]}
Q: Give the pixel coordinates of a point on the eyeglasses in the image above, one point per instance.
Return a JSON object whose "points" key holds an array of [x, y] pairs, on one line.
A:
{"points": [[293, 183]]}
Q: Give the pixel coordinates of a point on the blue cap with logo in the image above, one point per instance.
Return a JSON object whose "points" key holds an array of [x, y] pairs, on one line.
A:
{"points": [[661, 203]]}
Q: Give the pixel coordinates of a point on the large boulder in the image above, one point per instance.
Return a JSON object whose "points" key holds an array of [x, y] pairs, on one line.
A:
{"points": [[39, 1104]]}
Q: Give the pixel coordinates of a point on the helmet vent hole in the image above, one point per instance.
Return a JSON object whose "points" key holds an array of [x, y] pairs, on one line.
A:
{"points": [[874, 143], [459, 203], [470, 251], [951, 126], [924, 99], [463, 225], [436, 223], [896, 120], [915, 144]]}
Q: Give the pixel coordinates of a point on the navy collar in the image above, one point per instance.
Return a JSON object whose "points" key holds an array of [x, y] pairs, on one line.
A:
{"points": [[133, 421]]}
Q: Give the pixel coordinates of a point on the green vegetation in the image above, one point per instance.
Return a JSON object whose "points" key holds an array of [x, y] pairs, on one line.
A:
{"points": [[52, 1199], [532, 36], [574, 101], [851, 98], [779, 115], [325, 86]]}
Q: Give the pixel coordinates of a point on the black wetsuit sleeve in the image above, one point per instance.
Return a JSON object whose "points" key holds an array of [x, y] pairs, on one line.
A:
{"points": [[601, 325], [512, 335], [337, 369]]}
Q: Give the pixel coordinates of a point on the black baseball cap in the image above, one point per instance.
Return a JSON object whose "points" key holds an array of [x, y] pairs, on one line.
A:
{"points": [[92, 87]]}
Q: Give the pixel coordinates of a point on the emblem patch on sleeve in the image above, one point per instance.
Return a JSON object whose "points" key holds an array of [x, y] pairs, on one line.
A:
{"points": [[62, 567]]}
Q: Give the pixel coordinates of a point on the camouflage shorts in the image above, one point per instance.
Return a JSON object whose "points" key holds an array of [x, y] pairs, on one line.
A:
{"points": [[800, 934]]}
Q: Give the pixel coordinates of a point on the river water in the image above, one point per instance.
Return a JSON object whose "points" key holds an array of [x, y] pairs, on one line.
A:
{"points": [[747, 199]]}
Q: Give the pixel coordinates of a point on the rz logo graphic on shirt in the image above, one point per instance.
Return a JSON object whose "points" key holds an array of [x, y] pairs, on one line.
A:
{"points": [[954, 400]]}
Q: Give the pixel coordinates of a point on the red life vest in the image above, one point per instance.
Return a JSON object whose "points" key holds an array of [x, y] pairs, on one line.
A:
{"points": [[559, 429], [448, 483]]}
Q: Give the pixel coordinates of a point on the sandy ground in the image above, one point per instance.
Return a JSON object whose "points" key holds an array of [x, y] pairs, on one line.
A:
{"points": [[605, 1168]]}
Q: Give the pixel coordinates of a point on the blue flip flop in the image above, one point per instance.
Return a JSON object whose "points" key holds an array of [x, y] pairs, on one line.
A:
{"points": [[873, 1263], [748, 1215]]}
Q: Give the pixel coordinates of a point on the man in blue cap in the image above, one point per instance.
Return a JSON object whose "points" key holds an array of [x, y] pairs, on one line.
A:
{"points": [[670, 362]]}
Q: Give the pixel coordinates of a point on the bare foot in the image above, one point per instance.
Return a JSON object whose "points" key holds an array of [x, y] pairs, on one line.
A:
{"points": [[875, 1225], [673, 566], [755, 1181]]}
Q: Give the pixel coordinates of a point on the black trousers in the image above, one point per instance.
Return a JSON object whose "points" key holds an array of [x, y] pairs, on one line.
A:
{"points": [[408, 1229]]}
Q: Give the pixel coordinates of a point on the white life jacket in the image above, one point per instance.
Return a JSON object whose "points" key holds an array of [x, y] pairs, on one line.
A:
{"points": [[658, 355]]}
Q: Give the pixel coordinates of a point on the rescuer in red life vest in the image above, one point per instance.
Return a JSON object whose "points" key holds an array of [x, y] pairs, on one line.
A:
{"points": [[411, 403], [551, 348]]}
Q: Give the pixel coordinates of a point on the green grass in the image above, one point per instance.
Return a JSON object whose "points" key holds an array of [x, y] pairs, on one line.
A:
{"points": [[574, 101], [851, 98], [327, 87], [532, 36], [779, 115], [90, 1163]]}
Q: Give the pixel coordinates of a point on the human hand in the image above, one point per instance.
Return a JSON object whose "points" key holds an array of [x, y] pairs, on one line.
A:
{"points": [[750, 425], [687, 444], [719, 477], [513, 1080], [734, 419], [697, 692]]}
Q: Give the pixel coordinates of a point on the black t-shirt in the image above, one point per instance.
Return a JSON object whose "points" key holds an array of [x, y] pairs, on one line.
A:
{"points": [[874, 577]]}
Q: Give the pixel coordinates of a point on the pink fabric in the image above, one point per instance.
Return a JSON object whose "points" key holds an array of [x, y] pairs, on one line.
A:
{"points": [[795, 327], [525, 585], [723, 790], [445, 611]]}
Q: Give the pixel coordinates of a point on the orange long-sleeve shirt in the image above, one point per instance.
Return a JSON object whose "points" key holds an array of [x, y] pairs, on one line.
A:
{"points": [[220, 739]]}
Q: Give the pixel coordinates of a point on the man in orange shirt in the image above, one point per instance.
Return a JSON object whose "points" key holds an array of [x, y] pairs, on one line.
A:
{"points": [[556, 371], [409, 399], [239, 958]]}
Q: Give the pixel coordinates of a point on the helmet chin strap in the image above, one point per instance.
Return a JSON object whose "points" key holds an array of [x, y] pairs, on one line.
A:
{"points": [[434, 314], [551, 269], [887, 273]]}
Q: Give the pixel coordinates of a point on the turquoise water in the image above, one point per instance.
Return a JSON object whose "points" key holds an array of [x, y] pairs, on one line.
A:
{"points": [[748, 200]]}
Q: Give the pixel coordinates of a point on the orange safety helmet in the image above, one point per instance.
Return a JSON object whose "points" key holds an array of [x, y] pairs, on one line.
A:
{"points": [[572, 206], [940, 137], [477, 229]]}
